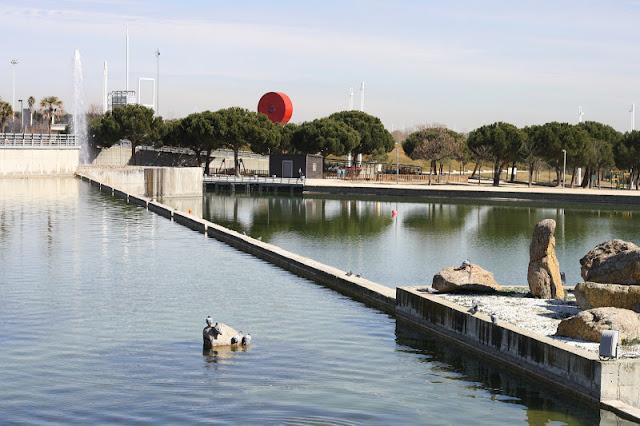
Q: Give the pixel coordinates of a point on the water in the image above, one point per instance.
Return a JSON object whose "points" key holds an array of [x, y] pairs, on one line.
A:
{"points": [[79, 109], [101, 310], [360, 235]]}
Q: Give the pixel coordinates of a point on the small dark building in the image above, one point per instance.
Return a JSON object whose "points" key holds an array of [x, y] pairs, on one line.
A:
{"points": [[296, 165]]}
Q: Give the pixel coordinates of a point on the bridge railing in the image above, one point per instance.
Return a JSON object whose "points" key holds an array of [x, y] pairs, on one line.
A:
{"points": [[27, 140], [253, 179]]}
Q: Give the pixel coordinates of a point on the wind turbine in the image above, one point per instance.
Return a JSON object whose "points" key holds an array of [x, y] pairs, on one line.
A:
{"points": [[580, 114], [362, 96], [350, 98]]}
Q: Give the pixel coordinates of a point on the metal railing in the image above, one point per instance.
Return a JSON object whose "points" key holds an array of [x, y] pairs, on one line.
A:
{"points": [[254, 179], [26, 140], [216, 153]]}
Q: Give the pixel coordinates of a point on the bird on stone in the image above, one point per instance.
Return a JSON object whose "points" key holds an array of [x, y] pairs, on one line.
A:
{"points": [[494, 318], [474, 307], [358, 275], [349, 273], [563, 278], [209, 320], [246, 339], [236, 339]]}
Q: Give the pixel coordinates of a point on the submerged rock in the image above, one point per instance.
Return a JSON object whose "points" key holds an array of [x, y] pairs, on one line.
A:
{"points": [[596, 295], [589, 325], [543, 274], [221, 337], [614, 261], [468, 277]]}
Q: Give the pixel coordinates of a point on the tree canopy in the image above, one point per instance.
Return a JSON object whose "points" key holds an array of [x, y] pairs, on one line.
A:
{"points": [[501, 142], [434, 144], [374, 138], [325, 136], [6, 112]]}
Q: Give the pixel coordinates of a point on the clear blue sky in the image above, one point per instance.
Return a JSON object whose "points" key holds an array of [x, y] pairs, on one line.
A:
{"points": [[462, 63]]}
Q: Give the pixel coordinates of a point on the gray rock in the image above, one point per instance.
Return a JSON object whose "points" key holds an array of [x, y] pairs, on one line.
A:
{"points": [[471, 278], [596, 295], [612, 262], [589, 325], [212, 339], [543, 274]]}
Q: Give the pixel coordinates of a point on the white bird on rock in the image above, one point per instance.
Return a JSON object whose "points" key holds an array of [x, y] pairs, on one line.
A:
{"points": [[246, 340]]}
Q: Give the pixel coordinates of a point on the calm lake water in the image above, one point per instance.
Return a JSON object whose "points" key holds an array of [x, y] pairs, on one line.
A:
{"points": [[359, 234], [102, 306]]}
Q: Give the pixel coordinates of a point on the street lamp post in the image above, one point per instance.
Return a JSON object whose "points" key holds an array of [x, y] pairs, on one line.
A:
{"points": [[564, 166], [13, 63], [397, 163], [21, 116]]}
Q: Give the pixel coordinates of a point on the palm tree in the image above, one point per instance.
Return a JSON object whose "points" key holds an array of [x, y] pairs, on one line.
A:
{"points": [[51, 106], [31, 102], [5, 113]]}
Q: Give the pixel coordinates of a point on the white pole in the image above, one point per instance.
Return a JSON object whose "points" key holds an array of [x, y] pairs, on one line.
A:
{"points": [[105, 89], [350, 98], [13, 63], [362, 96], [633, 117], [126, 36], [157, 91], [580, 114], [564, 166]]}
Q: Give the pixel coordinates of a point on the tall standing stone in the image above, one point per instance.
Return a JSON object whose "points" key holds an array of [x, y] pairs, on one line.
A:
{"points": [[544, 269]]}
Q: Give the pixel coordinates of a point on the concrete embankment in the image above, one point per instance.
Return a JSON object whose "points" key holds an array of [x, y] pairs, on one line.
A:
{"points": [[38, 161], [614, 384], [470, 192]]}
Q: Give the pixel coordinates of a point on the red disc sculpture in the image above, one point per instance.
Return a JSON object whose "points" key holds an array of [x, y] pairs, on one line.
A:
{"points": [[276, 106]]}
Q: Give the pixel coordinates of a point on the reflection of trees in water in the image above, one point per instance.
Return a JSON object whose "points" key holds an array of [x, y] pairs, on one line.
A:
{"points": [[455, 363], [339, 219], [438, 217]]}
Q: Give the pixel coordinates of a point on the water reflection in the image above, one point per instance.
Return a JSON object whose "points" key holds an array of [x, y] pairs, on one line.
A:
{"points": [[360, 234], [545, 405]]}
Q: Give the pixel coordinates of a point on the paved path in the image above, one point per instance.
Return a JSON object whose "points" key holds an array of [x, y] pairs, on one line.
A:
{"points": [[514, 191]]}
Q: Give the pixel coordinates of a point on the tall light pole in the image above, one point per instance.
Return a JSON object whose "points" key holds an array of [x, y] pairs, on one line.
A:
{"points": [[397, 162], [21, 116], [633, 117], [158, 81], [13, 63], [564, 166], [126, 62]]}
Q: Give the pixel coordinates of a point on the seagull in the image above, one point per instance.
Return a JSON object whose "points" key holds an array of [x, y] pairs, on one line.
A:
{"points": [[494, 318], [358, 275], [563, 278], [474, 307], [209, 320], [246, 340], [349, 273]]}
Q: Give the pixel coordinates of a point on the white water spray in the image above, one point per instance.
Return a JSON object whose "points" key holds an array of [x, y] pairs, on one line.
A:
{"points": [[79, 110]]}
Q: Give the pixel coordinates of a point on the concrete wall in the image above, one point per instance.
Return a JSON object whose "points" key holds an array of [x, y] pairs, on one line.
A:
{"points": [[39, 161], [550, 360], [153, 182]]}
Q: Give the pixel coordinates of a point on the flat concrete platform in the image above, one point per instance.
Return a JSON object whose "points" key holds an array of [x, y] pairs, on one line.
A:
{"points": [[470, 191]]}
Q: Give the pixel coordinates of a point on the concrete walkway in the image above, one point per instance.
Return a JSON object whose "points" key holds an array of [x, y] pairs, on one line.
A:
{"points": [[509, 191]]}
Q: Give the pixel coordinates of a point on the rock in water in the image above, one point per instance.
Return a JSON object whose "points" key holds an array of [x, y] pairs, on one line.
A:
{"points": [[589, 325], [470, 278], [614, 261], [223, 339], [544, 269], [595, 295]]}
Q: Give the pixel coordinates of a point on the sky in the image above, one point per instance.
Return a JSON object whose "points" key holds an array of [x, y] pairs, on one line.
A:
{"points": [[459, 63]]}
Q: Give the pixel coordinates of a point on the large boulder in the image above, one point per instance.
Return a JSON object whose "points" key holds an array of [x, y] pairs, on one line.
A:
{"points": [[595, 295], [589, 325], [543, 274], [467, 278], [614, 261]]}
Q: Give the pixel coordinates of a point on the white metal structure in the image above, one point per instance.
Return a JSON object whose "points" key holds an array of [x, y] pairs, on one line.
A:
{"points": [[158, 81], [350, 104], [13, 63], [580, 114], [152, 105], [633, 117], [27, 140], [105, 89], [362, 96], [126, 62]]}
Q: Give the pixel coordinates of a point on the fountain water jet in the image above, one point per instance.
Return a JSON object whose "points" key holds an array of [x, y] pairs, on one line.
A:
{"points": [[79, 109]]}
